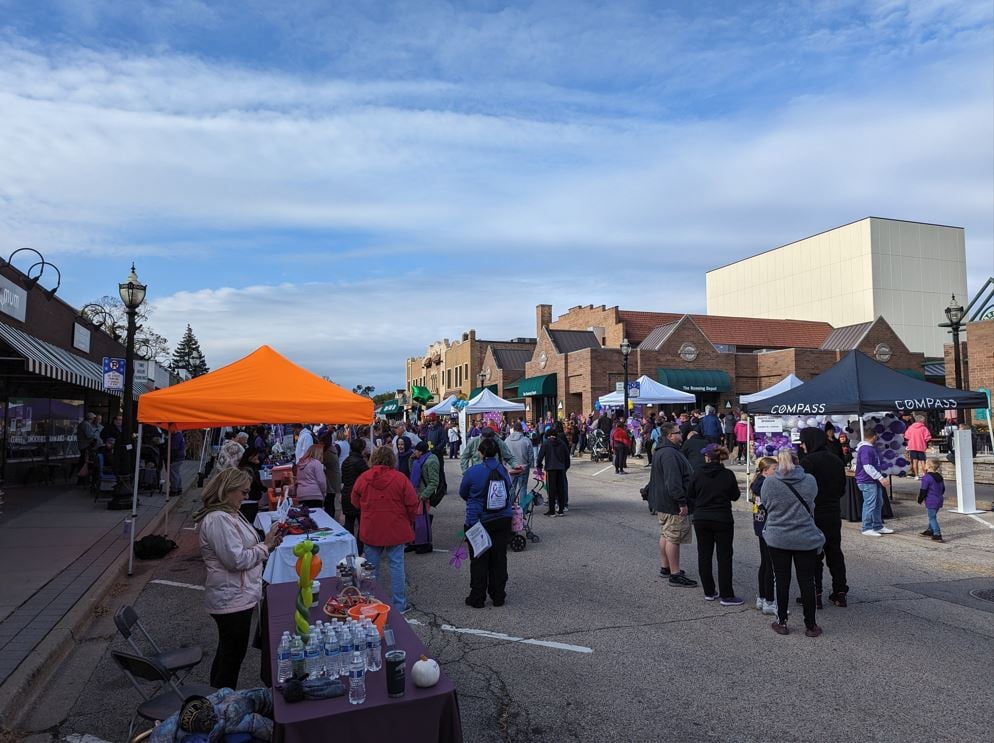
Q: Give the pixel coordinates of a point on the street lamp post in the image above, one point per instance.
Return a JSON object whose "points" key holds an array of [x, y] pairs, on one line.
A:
{"points": [[626, 349], [196, 360], [955, 314], [132, 294]]}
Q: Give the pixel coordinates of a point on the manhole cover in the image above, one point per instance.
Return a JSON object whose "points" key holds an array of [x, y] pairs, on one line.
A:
{"points": [[985, 594]]}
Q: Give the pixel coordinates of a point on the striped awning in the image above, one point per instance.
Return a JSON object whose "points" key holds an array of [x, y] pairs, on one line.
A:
{"points": [[41, 357]]}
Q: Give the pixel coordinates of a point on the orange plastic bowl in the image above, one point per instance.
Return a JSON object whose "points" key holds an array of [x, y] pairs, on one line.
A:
{"points": [[376, 613]]}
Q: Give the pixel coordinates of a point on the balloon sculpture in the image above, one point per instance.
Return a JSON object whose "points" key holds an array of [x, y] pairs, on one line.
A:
{"points": [[308, 564]]}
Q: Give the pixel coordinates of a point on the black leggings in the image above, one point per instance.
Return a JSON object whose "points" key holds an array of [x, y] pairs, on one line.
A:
{"points": [[620, 457], [232, 643], [711, 535], [765, 572], [555, 482], [804, 562]]}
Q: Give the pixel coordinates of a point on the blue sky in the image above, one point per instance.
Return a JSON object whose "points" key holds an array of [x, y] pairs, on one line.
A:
{"points": [[351, 181]]}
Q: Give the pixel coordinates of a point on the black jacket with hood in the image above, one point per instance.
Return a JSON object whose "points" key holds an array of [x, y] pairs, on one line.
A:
{"points": [[711, 492], [827, 470]]}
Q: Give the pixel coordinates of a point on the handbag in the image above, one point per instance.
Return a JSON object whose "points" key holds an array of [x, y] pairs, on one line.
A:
{"points": [[422, 530]]}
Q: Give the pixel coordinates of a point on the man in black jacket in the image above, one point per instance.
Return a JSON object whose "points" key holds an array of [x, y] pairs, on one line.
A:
{"points": [[668, 481], [553, 457], [693, 446], [830, 474]]}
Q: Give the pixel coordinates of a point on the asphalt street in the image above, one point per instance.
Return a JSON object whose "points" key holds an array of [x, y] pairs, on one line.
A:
{"points": [[622, 655]]}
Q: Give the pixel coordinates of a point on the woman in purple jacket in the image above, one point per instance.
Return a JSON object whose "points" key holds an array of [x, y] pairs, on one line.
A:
{"points": [[932, 493]]}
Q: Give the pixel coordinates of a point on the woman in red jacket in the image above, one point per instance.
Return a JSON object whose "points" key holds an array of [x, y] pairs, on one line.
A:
{"points": [[388, 504], [619, 442]]}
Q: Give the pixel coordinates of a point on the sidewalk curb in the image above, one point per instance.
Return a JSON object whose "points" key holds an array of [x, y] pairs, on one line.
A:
{"points": [[33, 675]]}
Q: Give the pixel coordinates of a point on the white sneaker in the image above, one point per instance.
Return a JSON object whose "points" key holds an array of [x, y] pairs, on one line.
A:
{"points": [[770, 608], [759, 603], [872, 533], [885, 530]]}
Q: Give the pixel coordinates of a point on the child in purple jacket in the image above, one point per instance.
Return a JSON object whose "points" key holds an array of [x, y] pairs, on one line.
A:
{"points": [[932, 491]]}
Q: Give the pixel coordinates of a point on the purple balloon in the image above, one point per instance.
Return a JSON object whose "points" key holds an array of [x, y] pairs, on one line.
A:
{"points": [[890, 454], [903, 473], [897, 426], [878, 428], [901, 462], [887, 436], [770, 449]]}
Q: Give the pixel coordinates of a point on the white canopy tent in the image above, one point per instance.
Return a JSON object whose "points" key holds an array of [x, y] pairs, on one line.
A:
{"points": [[446, 407], [486, 402], [651, 392], [787, 383]]}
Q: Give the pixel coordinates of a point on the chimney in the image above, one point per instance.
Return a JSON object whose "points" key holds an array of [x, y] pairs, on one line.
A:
{"points": [[543, 318], [472, 335]]}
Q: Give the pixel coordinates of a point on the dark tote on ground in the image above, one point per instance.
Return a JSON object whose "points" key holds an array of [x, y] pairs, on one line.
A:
{"points": [[420, 716]]}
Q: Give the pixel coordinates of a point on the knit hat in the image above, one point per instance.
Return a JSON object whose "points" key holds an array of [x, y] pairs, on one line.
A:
{"points": [[421, 446]]}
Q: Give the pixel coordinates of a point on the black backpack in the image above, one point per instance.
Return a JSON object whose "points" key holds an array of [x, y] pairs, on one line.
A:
{"points": [[153, 547]]}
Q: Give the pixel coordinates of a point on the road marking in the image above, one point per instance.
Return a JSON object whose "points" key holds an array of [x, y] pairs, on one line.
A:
{"points": [[510, 638], [189, 528], [982, 521], [603, 470], [443, 551], [178, 585]]}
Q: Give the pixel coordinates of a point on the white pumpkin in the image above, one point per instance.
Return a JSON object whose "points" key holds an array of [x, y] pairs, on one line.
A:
{"points": [[425, 672]]}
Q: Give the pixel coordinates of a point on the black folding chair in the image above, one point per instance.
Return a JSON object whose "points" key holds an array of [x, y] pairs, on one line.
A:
{"points": [[174, 661], [166, 698]]}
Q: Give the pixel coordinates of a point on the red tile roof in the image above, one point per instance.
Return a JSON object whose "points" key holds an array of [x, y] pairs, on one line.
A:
{"points": [[639, 324], [734, 331]]}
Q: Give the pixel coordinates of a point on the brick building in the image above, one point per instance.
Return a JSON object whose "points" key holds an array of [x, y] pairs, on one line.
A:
{"points": [[577, 357], [976, 361]]}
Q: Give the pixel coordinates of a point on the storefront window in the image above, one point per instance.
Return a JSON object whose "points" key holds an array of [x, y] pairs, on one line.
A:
{"points": [[39, 428], [27, 428], [66, 415]]}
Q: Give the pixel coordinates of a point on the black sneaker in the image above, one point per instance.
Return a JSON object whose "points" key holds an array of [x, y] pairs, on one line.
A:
{"points": [[937, 538], [839, 599], [926, 533], [682, 581], [665, 572]]}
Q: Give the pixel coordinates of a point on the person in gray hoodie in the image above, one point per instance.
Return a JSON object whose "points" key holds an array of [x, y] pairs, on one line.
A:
{"points": [[522, 451], [792, 537]]}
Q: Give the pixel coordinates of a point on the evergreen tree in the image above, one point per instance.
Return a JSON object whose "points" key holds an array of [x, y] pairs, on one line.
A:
{"points": [[183, 353]]}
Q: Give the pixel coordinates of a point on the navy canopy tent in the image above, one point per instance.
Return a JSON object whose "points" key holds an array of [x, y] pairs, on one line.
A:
{"points": [[858, 384]]}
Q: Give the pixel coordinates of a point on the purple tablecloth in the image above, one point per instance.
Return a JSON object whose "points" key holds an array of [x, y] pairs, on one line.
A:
{"points": [[424, 715]]}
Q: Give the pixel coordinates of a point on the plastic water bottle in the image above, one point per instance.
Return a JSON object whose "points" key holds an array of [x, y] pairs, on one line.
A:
{"points": [[284, 668], [345, 650], [357, 679], [312, 657], [373, 659], [297, 662], [332, 654]]}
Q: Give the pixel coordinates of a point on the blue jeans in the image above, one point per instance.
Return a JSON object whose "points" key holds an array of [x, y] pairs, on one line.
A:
{"points": [[933, 522], [873, 505], [395, 558], [176, 477], [519, 484]]}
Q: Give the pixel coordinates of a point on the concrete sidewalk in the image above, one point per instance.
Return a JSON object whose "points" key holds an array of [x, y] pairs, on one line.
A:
{"points": [[56, 542]]}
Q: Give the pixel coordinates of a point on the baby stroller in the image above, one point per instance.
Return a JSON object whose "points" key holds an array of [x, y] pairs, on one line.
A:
{"points": [[522, 525], [599, 448]]}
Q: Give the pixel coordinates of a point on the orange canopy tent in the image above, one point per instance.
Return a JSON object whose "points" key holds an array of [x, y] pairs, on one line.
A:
{"points": [[263, 387]]}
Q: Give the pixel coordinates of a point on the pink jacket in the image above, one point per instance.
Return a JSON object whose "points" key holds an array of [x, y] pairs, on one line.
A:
{"points": [[917, 436], [311, 481], [741, 431], [234, 558]]}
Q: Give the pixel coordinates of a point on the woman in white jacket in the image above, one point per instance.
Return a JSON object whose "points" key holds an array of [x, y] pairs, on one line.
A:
{"points": [[234, 558]]}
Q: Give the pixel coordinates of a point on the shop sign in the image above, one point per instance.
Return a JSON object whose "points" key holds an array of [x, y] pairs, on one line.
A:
{"points": [[113, 374], [619, 387], [768, 424], [634, 388], [141, 370], [699, 388], [80, 338], [13, 299]]}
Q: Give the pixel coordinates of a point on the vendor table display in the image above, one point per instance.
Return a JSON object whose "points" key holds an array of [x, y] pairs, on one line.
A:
{"points": [[334, 541], [852, 502], [421, 715]]}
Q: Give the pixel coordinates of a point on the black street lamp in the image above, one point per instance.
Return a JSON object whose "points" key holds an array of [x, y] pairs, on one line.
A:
{"points": [[626, 349], [132, 294], [955, 314], [196, 359], [483, 380]]}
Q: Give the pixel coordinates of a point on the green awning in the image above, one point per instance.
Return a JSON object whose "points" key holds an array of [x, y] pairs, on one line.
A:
{"points": [[913, 373], [477, 390], [390, 407], [513, 385], [420, 394], [695, 380], [541, 386]]}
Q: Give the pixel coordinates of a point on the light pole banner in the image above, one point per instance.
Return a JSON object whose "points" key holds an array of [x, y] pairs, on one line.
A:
{"points": [[113, 374], [634, 388], [141, 370]]}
